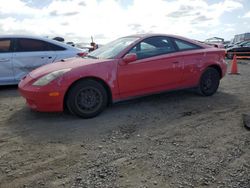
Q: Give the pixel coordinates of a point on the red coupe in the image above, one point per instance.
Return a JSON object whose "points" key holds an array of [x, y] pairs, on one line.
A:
{"points": [[127, 67]]}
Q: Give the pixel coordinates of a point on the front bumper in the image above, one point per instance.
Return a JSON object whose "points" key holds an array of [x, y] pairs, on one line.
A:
{"points": [[39, 98]]}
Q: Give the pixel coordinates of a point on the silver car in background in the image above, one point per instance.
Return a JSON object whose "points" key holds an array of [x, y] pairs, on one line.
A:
{"points": [[21, 54]]}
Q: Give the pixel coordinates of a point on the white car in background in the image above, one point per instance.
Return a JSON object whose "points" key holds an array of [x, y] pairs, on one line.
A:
{"points": [[20, 54]]}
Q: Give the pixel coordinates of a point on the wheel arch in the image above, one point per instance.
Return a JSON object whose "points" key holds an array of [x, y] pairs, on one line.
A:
{"points": [[99, 80], [217, 67]]}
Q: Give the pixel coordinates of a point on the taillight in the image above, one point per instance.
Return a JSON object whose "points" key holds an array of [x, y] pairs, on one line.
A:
{"points": [[82, 54]]}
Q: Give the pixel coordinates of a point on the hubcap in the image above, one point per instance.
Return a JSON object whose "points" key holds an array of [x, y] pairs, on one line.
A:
{"points": [[88, 99], [208, 82]]}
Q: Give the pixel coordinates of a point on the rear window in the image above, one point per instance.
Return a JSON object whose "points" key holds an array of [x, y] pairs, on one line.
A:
{"points": [[183, 45], [5, 45]]}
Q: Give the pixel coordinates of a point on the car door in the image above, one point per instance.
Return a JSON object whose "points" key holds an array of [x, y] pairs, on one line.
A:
{"points": [[156, 69], [30, 54], [6, 68]]}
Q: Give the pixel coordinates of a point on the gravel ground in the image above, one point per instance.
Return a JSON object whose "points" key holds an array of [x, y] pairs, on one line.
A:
{"points": [[176, 139]]}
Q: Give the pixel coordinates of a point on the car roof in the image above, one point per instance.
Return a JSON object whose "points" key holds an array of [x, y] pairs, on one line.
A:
{"points": [[147, 35], [40, 38]]}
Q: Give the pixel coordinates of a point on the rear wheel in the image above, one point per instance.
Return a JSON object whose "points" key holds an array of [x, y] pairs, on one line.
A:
{"points": [[209, 82], [87, 98]]}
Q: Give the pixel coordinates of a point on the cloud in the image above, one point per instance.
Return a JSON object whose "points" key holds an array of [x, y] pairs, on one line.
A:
{"points": [[184, 10], [70, 13], [64, 23], [201, 19], [247, 15], [136, 27], [82, 3], [16, 7], [231, 5], [109, 19], [55, 13]]}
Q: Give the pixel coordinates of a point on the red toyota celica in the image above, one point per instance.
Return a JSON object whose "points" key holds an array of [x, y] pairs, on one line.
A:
{"points": [[128, 67]]}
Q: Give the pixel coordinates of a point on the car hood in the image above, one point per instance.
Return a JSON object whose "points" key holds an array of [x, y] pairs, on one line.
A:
{"points": [[70, 63]]}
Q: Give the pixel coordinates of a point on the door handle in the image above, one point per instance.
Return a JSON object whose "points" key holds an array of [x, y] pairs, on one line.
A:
{"points": [[49, 57], [4, 60], [176, 62]]}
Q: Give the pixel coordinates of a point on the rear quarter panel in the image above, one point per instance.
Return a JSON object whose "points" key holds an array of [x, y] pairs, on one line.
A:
{"points": [[197, 61]]}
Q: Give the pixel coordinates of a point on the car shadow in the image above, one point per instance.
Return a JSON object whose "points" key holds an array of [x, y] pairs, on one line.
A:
{"points": [[44, 127], [7, 91], [8, 87]]}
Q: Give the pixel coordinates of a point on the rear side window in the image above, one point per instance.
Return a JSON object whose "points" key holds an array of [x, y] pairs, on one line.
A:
{"points": [[183, 45], [5, 45], [30, 45], [54, 47]]}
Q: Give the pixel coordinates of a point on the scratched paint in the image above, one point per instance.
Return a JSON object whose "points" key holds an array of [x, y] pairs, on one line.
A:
{"points": [[6, 68], [23, 63]]}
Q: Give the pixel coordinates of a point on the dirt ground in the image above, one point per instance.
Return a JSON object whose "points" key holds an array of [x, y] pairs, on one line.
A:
{"points": [[176, 139]]}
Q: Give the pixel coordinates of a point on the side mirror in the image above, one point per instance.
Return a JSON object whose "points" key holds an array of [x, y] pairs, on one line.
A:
{"points": [[129, 58]]}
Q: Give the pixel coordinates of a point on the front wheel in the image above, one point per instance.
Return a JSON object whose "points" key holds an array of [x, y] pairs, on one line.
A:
{"points": [[209, 82], [87, 98]]}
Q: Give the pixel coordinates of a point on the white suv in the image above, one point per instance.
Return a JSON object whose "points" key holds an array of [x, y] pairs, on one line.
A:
{"points": [[21, 54]]}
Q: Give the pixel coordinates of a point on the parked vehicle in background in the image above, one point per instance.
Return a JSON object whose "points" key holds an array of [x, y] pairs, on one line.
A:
{"points": [[226, 43], [216, 45], [216, 42], [241, 37], [127, 67], [60, 39], [240, 49], [234, 44], [21, 54], [71, 43]]}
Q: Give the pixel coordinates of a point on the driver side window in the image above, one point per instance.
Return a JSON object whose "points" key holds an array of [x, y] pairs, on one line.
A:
{"points": [[153, 46]]}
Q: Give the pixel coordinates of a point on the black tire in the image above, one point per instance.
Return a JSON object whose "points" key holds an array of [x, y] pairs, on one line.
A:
{"points": [[209, 82], [87, 98]]}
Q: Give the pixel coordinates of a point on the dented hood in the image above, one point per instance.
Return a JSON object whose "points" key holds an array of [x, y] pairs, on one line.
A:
{"points": [[64, 64]]}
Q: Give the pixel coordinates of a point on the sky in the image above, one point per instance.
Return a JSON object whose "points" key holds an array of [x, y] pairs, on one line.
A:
{"points": [[106, 20]]}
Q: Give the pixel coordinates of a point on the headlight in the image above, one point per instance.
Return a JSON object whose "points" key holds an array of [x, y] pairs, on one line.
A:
{"points": [[49, 77]]}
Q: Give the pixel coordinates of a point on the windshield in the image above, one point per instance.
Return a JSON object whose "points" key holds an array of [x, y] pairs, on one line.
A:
{"points": [[112, 49]]}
